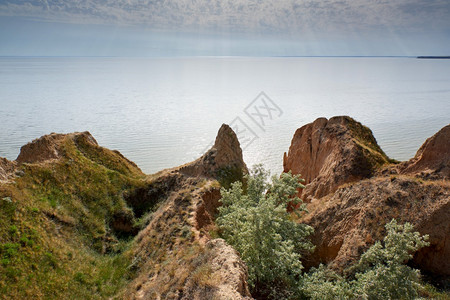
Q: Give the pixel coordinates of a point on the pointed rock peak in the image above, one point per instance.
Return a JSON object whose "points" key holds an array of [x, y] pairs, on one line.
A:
{"points": [[432, 158], [225, 134], [224, 159], [49, 147], [228, 149], [329, 153]]}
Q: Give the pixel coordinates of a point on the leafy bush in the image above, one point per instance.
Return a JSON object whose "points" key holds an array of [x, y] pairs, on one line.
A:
{"points": [[258, 225], [325, 284], [380, 273], [382, 270]]}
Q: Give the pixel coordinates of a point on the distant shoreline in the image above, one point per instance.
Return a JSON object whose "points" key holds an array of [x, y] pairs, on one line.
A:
{"points": [[433, 57], [233, 56], [216, 56]]}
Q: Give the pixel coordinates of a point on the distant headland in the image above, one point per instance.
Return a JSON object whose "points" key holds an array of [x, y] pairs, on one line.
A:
{"points": [[434, 57]]}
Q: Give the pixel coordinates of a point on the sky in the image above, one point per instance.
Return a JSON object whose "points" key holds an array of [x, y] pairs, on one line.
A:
{"points": [[224, 28]]}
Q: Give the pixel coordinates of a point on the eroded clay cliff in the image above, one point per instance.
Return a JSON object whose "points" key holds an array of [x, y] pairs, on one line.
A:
{"points": [[350, 217], [52, 147], [329, 153], [349, 221], [433, 157], [175, 255], [47, 147]]}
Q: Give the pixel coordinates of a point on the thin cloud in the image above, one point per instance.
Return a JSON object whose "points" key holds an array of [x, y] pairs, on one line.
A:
{"points": [[287, 16]]}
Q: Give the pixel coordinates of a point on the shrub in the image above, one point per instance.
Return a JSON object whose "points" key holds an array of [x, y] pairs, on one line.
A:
{"points": [[258, 225], [325, 284], [380, 273], [382, 270]]}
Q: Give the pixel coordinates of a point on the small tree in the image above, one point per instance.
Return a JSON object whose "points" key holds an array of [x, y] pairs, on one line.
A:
{"points": [[380, 273], [258, 225], [382, 270]]}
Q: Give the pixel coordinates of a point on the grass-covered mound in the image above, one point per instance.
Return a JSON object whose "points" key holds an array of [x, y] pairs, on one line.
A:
{"points": [[65, 226]]}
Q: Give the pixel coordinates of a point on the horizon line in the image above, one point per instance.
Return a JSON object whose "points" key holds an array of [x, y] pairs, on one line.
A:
{"points": [[216, 56]]}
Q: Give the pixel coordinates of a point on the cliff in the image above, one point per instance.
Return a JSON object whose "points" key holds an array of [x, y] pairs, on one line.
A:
{"points": [[79, 221], [432, 159], [52, 147], [86, 223], [355, 191], [176, 256], [349, 221], [63, 220], [329, 153]]}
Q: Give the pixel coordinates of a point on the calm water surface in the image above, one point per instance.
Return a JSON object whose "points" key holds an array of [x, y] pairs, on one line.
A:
{"points": [[163, 112]]}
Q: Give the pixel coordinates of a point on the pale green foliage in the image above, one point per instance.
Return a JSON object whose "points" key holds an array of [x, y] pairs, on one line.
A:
{"points": [[325, 284], [381, 272], [399, 246], [258, 225]]}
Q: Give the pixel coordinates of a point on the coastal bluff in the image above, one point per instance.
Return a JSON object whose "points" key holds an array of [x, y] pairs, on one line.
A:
{"points": [[329, 153], [74, 212], [353, 189]]}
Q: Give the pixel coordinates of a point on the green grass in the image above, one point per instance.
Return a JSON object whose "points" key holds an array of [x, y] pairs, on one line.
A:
{"points": [[372, 152], [56, 241]]}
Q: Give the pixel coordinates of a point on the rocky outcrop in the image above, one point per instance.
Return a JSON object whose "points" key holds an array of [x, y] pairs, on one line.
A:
{"points": [[44, 148], [432, 160], [226, 273], [207, 209], [224, 158], [65, 198], [89, 198], [329, 153], [352, 218], [176, 258], [7, 169], [52, 147]]}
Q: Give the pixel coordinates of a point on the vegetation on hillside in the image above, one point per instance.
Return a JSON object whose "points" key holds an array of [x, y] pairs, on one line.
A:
{"points": [[57, 239], [67, 227], [257, 224], [380, 273]]}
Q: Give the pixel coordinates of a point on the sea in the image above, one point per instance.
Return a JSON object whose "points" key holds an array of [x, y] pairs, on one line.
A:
{"points": [[164, 112]]}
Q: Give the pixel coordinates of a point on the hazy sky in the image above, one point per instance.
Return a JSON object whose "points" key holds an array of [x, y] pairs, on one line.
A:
{"points": [[224, 27]]}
